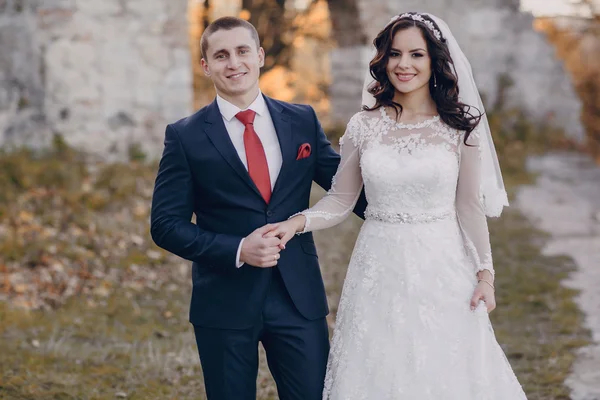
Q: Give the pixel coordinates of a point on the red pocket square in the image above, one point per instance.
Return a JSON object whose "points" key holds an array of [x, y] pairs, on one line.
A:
{"points": [[303, 151]]}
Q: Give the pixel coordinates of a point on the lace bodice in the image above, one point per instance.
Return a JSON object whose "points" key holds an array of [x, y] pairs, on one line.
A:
{"points": [[412, 173]]}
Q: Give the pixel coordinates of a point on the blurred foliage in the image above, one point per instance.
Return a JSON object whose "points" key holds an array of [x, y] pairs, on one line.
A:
{"points": [[63, 169], [59, 167], [577, 42]]}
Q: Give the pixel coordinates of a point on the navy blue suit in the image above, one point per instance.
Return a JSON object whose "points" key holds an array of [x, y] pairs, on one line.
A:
{"points": [[233, 308]]}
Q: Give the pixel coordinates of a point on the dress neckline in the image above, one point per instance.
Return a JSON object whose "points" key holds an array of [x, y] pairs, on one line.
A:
{"points": [[421, 124]]}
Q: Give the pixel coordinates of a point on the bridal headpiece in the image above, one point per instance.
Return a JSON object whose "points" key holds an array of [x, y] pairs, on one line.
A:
{"points": [[419, 17]]}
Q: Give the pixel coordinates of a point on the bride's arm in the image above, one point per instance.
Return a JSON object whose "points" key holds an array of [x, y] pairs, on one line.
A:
{"points": [[470, 209], [340, 200], [473, 222]]}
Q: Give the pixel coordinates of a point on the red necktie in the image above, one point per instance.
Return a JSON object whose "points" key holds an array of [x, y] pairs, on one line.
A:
{"points": [[255, 155]]}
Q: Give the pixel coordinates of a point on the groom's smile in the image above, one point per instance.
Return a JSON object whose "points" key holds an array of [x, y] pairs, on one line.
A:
{"points": [[236, 76]]}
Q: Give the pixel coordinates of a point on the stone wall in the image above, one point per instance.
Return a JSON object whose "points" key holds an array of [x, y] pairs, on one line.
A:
{"points": [[22, 117], [105, 74], [109, 74], [499, 41]]}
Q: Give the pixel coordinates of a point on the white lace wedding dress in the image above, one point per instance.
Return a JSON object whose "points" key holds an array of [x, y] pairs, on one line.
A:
{"points": [[404, 327]]}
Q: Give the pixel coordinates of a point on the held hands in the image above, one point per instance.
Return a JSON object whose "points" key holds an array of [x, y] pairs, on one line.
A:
{"points": [[287, 229], [259, 250], [484, 291]]}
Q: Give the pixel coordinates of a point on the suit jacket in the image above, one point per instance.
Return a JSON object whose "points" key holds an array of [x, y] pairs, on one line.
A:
{"points": [[200, 172]]}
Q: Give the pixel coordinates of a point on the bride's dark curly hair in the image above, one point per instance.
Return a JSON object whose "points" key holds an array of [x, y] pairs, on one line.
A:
{"points": [[453, 112]]}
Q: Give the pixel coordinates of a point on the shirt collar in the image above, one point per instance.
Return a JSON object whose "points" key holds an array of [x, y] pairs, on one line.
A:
{"points": [[228, 110]]}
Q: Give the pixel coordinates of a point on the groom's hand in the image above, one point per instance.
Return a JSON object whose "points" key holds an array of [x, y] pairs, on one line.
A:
{"points": [[259, 251], [287, 229]]}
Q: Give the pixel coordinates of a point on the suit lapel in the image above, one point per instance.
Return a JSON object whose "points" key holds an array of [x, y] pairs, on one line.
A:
{"points": [[283, 127], [217, 133]]}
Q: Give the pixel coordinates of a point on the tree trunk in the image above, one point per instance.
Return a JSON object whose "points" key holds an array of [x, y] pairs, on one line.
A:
{"points": [[345, 21], [268, 16]]}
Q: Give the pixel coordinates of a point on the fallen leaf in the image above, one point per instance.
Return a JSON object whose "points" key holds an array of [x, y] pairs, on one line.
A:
{"points": [[25, 216], [161, 334], [154, 255], [137, 240], [20, 288]]}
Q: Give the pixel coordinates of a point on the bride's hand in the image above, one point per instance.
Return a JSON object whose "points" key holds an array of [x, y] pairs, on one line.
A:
{"points": [[484, 291], [287, 229]]}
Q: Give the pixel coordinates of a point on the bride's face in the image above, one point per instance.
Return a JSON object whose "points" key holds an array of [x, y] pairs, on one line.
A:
{"points": [[409, 63]]}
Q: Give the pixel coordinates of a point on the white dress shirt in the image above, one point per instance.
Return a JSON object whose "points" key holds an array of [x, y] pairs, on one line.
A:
{"points": [[263, 125]]}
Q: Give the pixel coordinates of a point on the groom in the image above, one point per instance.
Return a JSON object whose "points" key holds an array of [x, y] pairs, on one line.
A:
{"points": [[239, 164]]}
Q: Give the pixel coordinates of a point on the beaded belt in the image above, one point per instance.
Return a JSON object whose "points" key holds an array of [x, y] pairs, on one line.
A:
{"points": [[408, 218]]}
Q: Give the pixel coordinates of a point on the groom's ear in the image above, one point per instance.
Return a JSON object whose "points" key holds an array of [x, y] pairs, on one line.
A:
{"points": [[205, 67], [261, 57]]}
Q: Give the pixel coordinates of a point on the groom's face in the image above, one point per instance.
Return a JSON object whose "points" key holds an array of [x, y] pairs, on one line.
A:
{"points": [[233, 61]]}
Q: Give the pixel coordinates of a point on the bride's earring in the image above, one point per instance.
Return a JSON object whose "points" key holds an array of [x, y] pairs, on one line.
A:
{"points": [[434, 81]]}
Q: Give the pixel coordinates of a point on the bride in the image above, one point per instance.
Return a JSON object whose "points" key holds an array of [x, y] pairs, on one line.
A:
{"points": [[413, 317]]}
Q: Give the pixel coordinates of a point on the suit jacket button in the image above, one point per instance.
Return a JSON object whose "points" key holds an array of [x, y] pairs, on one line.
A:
{"points": [[269, 213]]}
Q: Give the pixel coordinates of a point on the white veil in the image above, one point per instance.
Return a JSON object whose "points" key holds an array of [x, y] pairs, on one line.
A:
{"points": [[492, 185]]}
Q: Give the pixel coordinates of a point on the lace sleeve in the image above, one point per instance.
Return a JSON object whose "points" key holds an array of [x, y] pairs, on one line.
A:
{"points": [[346, 185], [469, 205]]}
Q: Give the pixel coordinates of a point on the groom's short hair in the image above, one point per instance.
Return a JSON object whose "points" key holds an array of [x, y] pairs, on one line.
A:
{"points": [[226, 23]]}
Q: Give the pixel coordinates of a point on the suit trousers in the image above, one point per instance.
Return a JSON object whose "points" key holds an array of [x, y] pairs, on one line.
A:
{"points": [[296, 348]]}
